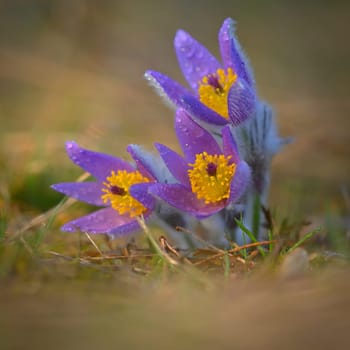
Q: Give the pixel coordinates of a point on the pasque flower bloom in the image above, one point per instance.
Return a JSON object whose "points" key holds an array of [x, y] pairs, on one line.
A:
{"points": [[210, 177], [121, 188], [222, 93]]}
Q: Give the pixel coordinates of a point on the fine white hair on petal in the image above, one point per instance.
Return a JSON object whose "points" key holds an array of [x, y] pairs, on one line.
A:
{"points": [[155, 163], [272, 142], [258, 137], [159, 90], [264, 131], [244, 58]]}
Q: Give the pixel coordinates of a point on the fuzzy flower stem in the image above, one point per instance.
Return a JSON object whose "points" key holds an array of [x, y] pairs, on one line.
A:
{"points": [[259, 141]]}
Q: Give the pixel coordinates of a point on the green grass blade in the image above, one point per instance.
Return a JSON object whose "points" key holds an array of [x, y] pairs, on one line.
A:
{"points": [[226, 265], [256, 216], [270, 239], [304, 239], [250, 235]]}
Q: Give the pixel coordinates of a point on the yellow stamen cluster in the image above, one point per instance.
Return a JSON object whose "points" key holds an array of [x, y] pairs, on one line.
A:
{"points": [[210, 177], [117, 192], [214, 88]]}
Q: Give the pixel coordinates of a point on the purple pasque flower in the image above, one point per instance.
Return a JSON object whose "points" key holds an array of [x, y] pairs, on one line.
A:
{"points": [[120, 188], [210, 177], [221, 92]]}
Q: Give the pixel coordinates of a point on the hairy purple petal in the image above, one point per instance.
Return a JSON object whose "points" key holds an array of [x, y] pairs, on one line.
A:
{"points": [[241, 102], [239, 181], [129, 227], [105, 220], [184, 199], [176, 164], [144, 161], [89, 192], [229, 145], [225, 38], [196, 108], [97, 164], [194, 59], [140, 192], [232, 53], [193, 138], [167, 87]]}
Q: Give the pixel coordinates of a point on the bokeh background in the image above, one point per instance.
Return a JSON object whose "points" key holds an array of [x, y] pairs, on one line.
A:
{"points": [[74, 69]]}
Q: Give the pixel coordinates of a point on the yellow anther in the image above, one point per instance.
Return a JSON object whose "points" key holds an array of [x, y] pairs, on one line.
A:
{"points": [[213, 90], [210, 177], [116, 192]]}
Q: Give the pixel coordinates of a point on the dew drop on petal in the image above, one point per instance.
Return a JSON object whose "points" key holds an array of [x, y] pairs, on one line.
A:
{"points": [[199, 54]]}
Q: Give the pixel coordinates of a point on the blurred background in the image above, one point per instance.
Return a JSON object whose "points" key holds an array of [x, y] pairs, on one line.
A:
{"points": [[74, 69]]}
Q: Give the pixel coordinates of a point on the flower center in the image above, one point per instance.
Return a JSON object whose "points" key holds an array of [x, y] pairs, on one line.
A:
{"points": [[213, 90], [116, 192], [210, 177]]}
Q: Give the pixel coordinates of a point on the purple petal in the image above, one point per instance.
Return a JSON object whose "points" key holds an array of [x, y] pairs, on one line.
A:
{"points": [[225, 38], [196, 108], [239, 181], [97, 164], [194, 59], [144, 161], [182, 198], [89, 192], [229, 145], [140, 192], [166, 87], [176, 164], [232, 53], [128, 228], [241, 102], [105, 220], [193, 138]]}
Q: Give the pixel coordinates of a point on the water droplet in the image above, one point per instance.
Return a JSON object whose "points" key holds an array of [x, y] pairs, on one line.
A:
{"points": [[199, 53]]}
